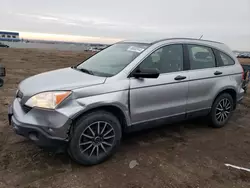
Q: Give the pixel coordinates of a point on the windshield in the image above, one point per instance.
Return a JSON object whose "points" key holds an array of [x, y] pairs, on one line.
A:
{"points": [[112, 60]]}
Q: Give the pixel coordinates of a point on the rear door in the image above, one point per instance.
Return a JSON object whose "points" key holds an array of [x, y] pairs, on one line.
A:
{"points": [[205, 78]]}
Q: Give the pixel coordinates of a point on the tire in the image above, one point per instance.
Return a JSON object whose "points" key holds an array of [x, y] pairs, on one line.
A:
{"points": [[90, 145], [220, 120]]}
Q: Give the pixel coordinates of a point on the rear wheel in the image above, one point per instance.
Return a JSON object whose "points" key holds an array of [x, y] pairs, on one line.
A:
{"points": [[221, 110], [95, 138]]}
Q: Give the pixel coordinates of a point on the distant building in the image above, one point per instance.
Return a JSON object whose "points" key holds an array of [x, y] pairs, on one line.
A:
{"points": [[9, 36]]}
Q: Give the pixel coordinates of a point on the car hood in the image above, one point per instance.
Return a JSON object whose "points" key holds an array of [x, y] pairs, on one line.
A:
{"points": [[60, 79]]}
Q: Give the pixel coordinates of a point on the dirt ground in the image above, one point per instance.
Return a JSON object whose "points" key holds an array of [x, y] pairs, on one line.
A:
{"points": [[188, 154]]}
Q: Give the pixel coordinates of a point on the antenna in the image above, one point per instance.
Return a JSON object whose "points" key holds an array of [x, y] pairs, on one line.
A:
{"points": [[200, 37]]}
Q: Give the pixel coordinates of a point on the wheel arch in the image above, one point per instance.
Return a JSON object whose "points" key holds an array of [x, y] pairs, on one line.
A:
{"points": [[230, 91], [111, 108]]}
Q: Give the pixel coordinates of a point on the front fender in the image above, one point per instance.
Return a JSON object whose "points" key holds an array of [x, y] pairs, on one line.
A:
{"points": [[118, 99]]}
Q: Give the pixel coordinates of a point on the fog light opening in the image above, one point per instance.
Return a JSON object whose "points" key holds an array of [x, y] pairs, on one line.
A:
{"points": [[33, 136]]}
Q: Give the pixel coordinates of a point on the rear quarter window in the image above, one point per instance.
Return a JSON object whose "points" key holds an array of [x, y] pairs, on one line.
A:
{"points": [[223, 59]]}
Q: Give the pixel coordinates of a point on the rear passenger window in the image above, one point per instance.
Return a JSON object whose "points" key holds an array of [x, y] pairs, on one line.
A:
{"points": [[201, 57], [224, 60]]}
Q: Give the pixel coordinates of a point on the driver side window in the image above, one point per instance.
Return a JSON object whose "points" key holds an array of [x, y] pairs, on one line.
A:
{"points": [[166, 59]]}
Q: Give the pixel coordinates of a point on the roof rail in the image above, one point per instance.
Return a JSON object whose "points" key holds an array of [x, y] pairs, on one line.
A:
{"points": [[160, 40]]}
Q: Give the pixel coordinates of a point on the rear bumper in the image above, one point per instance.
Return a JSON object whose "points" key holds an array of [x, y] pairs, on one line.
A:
{"points": [[47, 129], [240, 96], [245, 84]]}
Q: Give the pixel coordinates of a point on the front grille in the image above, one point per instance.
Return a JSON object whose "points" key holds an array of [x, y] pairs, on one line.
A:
{"points": [[19, 95]]}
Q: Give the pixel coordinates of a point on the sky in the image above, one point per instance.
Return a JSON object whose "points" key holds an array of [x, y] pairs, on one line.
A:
{"points": [[109, 21]]}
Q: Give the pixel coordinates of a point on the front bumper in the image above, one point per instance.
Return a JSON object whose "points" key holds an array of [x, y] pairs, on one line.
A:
{"points": [[47, 128]]}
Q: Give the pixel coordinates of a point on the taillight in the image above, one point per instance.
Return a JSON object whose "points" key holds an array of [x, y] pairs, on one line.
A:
{"points": [[243, 75]]}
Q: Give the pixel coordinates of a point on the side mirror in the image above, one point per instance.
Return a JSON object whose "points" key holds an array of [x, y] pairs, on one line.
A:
{"points": [[146, 73]]}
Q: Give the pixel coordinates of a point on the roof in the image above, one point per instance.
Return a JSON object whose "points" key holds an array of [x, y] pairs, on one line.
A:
{"points": [[156, 40], [9, 33], [217, 45]]}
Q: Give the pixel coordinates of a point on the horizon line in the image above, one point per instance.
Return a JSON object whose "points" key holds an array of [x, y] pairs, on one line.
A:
{"points": [[64, 37]]}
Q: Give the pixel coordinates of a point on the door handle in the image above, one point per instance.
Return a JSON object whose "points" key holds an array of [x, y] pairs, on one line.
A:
{"points": [[217, 73], [179, 77]]}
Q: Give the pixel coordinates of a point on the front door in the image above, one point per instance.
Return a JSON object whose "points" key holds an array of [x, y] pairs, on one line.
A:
{"points": [[162, 97]]}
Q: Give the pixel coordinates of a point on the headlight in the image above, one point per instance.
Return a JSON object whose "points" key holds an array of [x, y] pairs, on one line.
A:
{"points": [[48, 99]]}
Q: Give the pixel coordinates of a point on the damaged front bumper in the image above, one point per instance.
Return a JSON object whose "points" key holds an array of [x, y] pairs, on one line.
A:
{"points": [[47, 128]]}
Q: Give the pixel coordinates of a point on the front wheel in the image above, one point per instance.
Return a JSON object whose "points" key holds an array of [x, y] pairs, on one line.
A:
{"points": [[221, 110], [95, 138]]}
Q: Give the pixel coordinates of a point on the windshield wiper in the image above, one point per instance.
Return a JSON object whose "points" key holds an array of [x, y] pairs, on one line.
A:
{"points": [[86, 71], [83, 70]]}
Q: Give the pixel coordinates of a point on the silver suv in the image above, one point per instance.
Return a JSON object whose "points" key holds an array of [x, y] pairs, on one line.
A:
{"points": [[129, 85]]}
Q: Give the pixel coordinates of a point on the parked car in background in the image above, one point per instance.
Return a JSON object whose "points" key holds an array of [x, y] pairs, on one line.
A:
{"points": [[244, 55], [2, 75], [246, 69], [130, 85], [2, 45]]}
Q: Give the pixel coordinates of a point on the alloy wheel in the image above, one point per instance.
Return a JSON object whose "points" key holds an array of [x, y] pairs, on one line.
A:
{"points": [[223, 110], [97, 139]]}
